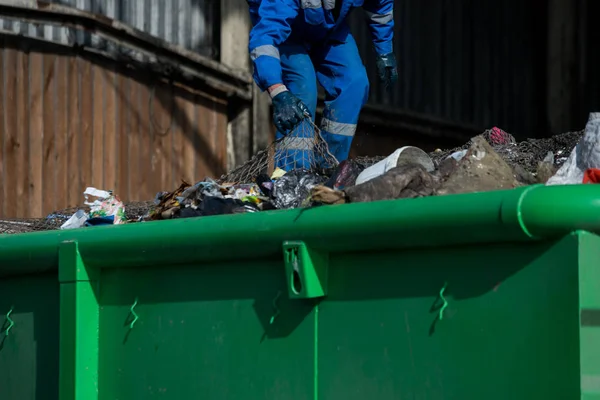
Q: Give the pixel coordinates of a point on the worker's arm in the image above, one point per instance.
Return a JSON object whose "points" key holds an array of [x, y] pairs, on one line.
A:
{"points": [[380, 17], [272, 21]]}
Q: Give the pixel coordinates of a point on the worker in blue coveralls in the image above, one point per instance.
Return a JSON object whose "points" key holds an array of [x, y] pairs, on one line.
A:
{"points": [[295, 43]]}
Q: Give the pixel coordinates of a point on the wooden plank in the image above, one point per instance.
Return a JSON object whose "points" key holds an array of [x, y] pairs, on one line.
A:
{"points": [[134, 140], [98, 128], [221, 132], [203, 119], [146, 171], [86, 128], [213, 132], [123, 138], [48, 115], [36, 135], [178, 140], [22, 148], [74, 190], [203, 137], [10, 134], [188, 156], [161, 121], [2, 140], [110, 131], [61, 114]]}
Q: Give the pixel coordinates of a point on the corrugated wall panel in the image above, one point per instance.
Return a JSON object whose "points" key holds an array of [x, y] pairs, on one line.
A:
{"points": [[468, 61], [70, 122], [187, 23]]}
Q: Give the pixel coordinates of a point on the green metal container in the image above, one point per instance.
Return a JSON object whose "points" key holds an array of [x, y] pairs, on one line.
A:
{"points": [[489, 296]]}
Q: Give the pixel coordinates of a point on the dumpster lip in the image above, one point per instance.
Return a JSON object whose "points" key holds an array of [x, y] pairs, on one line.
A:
{"points": [[528, 213]]}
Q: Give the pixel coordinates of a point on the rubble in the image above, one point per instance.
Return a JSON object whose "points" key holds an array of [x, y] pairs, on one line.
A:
{"points": [[491, 161], [480, 170]]}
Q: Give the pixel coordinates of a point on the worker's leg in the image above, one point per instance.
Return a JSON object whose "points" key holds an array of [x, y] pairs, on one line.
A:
{"points": [[296, 149], [343, 76]]}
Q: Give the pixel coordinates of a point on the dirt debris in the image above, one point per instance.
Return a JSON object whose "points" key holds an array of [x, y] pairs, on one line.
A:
{"points": [[480, 170]]}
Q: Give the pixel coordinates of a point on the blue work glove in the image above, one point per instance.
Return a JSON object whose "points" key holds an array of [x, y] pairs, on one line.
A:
{"points": [[387, 68], [288, 111]]}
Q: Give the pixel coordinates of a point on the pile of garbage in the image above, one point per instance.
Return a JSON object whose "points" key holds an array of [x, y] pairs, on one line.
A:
{"points": [[490, 161]]}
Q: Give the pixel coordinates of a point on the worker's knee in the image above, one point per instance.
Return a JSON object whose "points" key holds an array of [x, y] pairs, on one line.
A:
{"points": [[358, 84]]}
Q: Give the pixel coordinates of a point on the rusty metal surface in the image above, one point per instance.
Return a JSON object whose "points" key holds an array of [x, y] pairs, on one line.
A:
{"points": [[186, 23], [70, 121], [122, 40]]}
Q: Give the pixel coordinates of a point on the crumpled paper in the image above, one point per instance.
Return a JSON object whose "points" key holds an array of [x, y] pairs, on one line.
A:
{"points": [[105, 205]]}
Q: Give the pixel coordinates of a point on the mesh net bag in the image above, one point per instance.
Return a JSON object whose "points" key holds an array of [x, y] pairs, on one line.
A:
{"points": [[303, 148]]}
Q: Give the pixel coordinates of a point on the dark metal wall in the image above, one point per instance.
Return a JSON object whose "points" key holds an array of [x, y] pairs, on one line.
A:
{"points": [[468, 61], [589, 76]]}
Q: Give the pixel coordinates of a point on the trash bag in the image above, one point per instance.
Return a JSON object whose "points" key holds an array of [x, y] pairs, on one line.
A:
{"points": [[344, 175], [406, 181], [293, 189], [213, 205], [584, 156]]}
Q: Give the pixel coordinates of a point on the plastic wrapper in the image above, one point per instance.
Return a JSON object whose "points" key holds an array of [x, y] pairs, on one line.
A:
{"points": [[241, 191], [584, 156], [344, 176], [77, 220], [197, 192], [264, 184], [217, 206], [105, 205], [293, 189]]}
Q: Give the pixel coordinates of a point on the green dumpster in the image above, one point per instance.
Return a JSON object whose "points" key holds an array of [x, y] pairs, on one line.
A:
{"points": [[479, 296]]}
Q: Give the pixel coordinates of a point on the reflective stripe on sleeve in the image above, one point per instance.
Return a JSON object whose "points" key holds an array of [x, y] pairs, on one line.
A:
{"points": [[310, 4], [329, 4], [264, 50], [380, 18]]}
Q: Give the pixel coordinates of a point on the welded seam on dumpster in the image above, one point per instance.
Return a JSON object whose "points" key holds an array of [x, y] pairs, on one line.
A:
{"points": [[590, 317], [316, 354], [590, 384]]}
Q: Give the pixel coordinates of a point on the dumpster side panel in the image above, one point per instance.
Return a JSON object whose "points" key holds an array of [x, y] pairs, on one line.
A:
{"points": [[29, 354], [204, 331], [589, 298], [509, 330]]}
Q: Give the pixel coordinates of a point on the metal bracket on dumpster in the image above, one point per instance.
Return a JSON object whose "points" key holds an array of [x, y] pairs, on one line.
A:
{"points": [[79, 324], [306, 270]]}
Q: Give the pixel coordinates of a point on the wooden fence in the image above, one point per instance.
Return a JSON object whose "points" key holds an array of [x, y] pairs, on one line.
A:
{"points": [[70, 120]]}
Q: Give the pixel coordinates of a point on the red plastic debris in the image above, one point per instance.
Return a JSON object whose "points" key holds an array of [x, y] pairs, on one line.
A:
{"points": [[497, 136], [591, 175]]}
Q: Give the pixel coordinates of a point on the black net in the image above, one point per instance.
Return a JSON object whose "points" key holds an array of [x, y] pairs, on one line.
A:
{"points": [[303, 148], [135, 211], [527, 153]]}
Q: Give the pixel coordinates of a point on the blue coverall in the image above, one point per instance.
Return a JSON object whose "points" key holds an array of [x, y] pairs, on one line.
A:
{"points": [[297, 42]]}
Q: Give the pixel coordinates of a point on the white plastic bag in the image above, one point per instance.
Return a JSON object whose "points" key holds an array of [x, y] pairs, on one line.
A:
{"points": [[584, 156], [407, 153]]}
